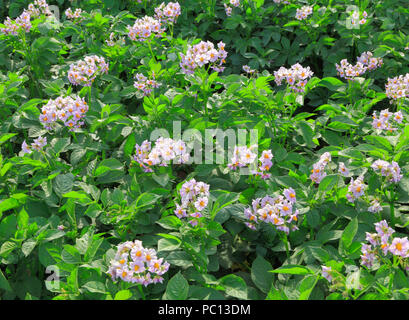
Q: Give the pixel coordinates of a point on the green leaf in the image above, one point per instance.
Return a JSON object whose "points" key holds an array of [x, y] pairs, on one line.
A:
{"points": [[8, 204], [76, 195], [7, 247], [318, 253], [108, 165], [60, 145], [72, 280], [8, 226], [93, 248], [161, 179], [146, 199], [168, 244], [403, 138], [22, 219], [275, 294], [306, 133], [380, 142], [260, 274], [306, 287], [328, 183], [4, 284], [63, 183], [224, 199], [95, 287], [179, 259], [70, 255], [313, 218], [6, 136], [123, 295], [331, 83], [28, 246], [177, 288], [234, 286], [50, 235], [349, 234], [170, 223], [293, 269]]}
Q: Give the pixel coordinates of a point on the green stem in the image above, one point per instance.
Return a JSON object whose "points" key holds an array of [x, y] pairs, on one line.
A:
{"points": [[141, 291], [90, 96], [74, 136], [392, 208], [287, 251], [204, 90], [48, 164], [150, 49]]}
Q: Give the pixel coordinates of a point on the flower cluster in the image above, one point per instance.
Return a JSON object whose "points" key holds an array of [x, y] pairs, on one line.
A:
{"points": [[375, 206], [366, 62], [381, 243], [244, 157], [168, 13], [23, 22], [343, 170], [278, 211], [38, 144], [281, 1], [84, 72], [265, 164], [135, 264], [398, 87], [358, 19], [248, 70], [12, 27], [303, 13], [228, 9], [318, 169], [38, 8], [143, 84], [145, 27], [383, 122], [201, 54], [165, 150], [296, 77], [194, 199], [389, 170], [76, 15], [356, 189], [69, 110]]}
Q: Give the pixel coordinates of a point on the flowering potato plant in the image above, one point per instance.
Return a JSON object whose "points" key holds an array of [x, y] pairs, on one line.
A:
{"points": [[235, 149]]}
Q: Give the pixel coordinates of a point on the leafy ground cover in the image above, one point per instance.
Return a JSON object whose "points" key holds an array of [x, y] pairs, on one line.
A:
{"points": [[235, 149]]}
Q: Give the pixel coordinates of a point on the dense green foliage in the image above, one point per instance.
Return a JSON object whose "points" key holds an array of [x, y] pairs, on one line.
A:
{"points": [[70, 204]]}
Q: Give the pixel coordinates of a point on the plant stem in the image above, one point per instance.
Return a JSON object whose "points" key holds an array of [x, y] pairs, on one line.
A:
{"points": [[90, 96], [392, 208], [287, 251], [204, 90], [43, 153], [74, 136], [150, 49], [141, 292]]}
